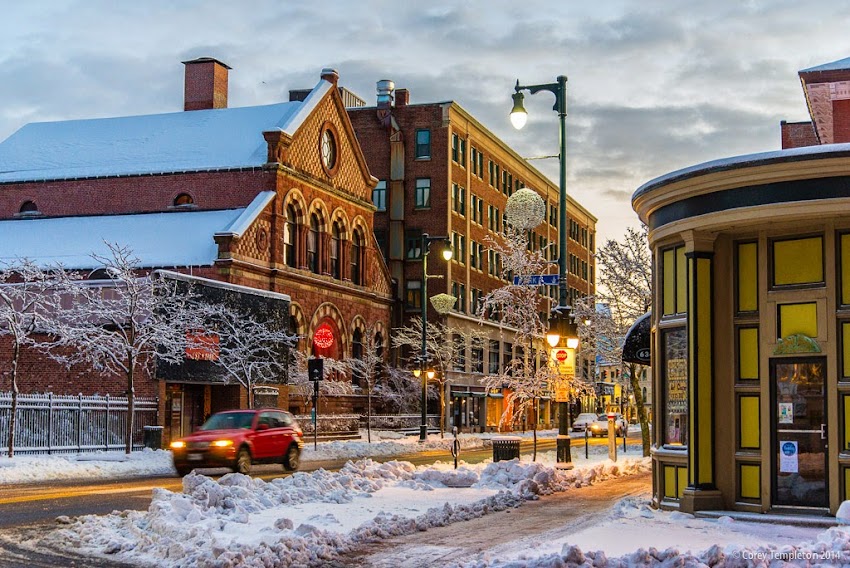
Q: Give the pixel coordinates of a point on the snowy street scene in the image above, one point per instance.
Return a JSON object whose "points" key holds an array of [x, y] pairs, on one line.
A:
{"points": [[377, 284], [392, 513]]}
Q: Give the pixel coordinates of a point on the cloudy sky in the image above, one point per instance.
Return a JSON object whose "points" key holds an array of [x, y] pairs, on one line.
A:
{"points": [[654, 85]]}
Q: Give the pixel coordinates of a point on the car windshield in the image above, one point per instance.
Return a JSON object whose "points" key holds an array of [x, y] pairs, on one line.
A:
{"points": [[603, 417], [229, 421]]}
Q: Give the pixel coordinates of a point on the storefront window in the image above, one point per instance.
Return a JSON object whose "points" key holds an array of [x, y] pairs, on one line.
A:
{"points": [[676, 387]]}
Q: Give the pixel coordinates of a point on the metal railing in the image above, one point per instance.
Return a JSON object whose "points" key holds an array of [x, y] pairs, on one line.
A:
{"points": [[400, 421], [48, 423]]}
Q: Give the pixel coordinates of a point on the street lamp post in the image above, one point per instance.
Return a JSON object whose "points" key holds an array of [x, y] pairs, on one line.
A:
{"points": [[561, 325], [423, 353]]}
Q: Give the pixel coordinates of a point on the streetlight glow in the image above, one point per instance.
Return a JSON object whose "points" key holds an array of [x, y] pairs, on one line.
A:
{"points": [[572, 342], [519, 116]]}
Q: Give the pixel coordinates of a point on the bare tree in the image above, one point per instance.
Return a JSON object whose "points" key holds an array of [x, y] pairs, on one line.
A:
{"points": [[518, 308], [625, 289], [444, 347], [366, 367], [28, 296], [121, 325], [249, 351]]}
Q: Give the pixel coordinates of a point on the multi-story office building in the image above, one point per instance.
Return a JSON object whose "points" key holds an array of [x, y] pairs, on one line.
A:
{"points": [[442, 172]]}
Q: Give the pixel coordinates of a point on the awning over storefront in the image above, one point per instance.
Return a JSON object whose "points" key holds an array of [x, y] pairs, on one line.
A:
{"points": [[636, 346]]}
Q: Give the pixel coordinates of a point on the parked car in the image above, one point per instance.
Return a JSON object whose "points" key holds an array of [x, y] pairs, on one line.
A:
{"points": [[239, 438], [583, 420], [600, 426]]}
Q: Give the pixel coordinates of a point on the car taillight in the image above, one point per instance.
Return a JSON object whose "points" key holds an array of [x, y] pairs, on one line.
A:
{"points": [[299, 433]]}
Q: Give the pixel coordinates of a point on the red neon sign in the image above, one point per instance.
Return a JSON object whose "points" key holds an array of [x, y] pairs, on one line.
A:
{"points": [[323, 338]]}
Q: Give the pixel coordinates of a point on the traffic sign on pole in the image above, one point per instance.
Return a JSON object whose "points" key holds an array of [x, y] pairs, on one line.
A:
{"points": [[537, 280]]}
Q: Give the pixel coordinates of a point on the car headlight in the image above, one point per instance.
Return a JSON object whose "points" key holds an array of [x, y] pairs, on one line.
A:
{"points": [[178, 445], [222, 443]]}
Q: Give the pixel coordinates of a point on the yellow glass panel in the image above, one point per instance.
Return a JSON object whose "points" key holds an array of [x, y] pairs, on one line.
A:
{"points": [[750, 481], [798, 261], [748, 277], [846, 399], [798, 318], [748, 353], [846, 482], [681, 281], [669, 263], [749, 422], [683, 480], [845, 344], [670, 481], [845, 269]]}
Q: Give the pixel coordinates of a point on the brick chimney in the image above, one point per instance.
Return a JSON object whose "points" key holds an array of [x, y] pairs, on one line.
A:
{"points": [[402, 97], [205, 85]]}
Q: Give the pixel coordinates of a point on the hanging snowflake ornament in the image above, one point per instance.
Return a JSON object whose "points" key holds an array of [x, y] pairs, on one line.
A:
{"points": [[525, 209], [443, 302]]}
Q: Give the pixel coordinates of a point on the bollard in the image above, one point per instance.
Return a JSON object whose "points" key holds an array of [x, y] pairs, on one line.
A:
{"points": [[455, 446], [585, 442]]}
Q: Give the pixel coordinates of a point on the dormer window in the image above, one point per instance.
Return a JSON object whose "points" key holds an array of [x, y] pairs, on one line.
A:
{"points": [[183, 200], [29, 208]]}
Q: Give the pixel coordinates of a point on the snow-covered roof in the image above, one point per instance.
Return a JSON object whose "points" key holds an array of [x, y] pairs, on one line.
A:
{"points": [[182, 238], [160, 143], [839, 65], [822, 151]]}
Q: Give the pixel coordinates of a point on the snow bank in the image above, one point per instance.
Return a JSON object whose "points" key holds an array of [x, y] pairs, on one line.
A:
{"points": [[303, 520], [95, 465]]}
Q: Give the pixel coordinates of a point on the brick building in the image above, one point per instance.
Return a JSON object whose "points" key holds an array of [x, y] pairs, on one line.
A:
{"points": [[442, 172], [274, 197]]}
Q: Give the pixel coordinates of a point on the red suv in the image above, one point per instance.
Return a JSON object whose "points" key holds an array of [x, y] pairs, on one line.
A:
{"points": [[238, 438]]}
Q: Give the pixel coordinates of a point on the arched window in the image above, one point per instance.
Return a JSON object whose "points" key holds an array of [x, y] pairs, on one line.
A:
{"points": [[290, 237], [183, 199], [357, 257], [357, 353], [29, 207], [379, 345], [313, 244], [335, 251]]}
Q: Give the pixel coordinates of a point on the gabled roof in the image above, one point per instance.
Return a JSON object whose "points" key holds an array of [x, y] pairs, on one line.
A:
{"points": [[195, 140], [839, 65]]}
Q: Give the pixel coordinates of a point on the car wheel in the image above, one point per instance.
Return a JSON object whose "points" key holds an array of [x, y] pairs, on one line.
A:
{"points": [[183, 471], [292, 459], [243, 462]]}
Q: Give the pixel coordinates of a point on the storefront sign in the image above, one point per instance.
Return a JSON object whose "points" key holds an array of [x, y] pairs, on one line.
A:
{"points": [[788, 457], [201, 346], [324, 337]]}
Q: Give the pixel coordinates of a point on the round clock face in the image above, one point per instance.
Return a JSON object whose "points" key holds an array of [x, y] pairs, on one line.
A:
{"points": [[328, 149]]}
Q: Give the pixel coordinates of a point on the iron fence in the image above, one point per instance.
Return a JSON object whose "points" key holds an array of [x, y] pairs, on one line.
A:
{"points": [[48, 423]]}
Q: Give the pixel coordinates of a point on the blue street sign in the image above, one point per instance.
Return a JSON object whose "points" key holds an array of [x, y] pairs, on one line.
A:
{"points": [[537, 280]]}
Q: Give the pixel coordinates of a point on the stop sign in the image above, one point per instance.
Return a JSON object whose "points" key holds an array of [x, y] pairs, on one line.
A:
{"points": [[561, 355]]}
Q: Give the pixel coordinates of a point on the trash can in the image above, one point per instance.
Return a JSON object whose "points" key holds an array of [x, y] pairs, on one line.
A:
{"points": [[153, 437], [506, 448]]}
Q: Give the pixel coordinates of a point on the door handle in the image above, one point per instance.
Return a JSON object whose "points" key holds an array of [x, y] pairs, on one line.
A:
{"points": [[823, 431]]}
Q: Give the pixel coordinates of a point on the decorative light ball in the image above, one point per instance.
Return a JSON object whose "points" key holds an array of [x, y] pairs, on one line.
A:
{"points": [[443, 303], [525, 209]]}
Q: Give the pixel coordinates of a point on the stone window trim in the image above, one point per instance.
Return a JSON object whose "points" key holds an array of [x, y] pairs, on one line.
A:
{"points": [[332, 168]]}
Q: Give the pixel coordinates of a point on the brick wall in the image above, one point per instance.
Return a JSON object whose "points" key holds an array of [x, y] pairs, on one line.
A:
{"points": [[798, 134]]}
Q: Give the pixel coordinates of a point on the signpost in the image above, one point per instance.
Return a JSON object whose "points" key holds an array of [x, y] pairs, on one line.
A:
{"points": [[316, 372], [537, 280]]}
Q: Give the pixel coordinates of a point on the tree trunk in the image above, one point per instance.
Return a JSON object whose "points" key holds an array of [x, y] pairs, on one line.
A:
{"points": [[14, 410], [369, 414], [534, 428], [442, 388], [641, 409], [131, 410]]}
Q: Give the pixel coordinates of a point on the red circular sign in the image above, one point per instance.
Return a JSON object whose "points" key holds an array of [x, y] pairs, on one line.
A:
{"points": [[324, 337], [561, 355]]}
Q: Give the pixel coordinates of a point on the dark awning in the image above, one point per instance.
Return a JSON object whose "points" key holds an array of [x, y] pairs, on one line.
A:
{"points": [[636, 347]]}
